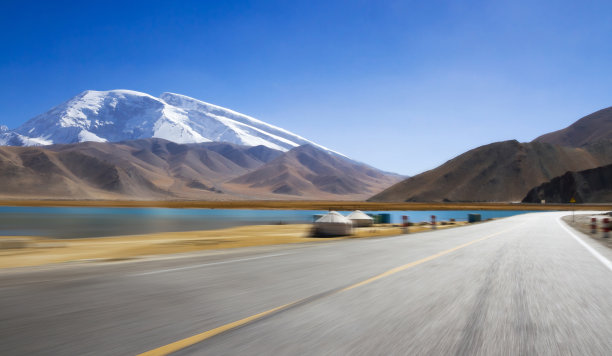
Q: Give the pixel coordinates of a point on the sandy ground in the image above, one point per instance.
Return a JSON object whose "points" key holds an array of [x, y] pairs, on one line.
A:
{"points": [[304, 205], [19, 251]]}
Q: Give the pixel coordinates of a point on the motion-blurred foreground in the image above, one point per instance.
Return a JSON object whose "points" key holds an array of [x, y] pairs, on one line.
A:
{"points": [[527, 284]]}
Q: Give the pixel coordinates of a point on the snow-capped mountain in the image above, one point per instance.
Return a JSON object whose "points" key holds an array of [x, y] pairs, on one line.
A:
{"points": [[120, 115]]}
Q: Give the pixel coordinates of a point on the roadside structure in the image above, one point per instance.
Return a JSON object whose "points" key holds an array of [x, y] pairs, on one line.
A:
{"points": [[359, 218], [333, 224]]}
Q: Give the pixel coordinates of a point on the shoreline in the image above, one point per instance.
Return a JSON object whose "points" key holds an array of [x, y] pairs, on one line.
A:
{"points": [[299, 205]]}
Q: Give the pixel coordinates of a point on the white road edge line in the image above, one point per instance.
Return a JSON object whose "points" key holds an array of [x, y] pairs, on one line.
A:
{"points": [[207, 264], [593, 252]]}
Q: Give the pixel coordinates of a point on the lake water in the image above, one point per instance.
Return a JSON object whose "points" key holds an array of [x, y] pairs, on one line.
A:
{"points": [[62, 222]]}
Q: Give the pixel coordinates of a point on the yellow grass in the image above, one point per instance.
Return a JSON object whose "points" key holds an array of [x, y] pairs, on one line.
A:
{"points": [[41, 251]]}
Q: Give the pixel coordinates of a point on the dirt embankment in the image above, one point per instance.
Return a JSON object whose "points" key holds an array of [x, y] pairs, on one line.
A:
{"points": [[582, 223]]}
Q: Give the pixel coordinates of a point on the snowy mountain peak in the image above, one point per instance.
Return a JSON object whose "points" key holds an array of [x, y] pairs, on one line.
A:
{"points": [[120, 115]]}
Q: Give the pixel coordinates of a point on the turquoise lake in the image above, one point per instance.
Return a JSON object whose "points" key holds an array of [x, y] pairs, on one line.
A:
{"points": [[62, 222]]}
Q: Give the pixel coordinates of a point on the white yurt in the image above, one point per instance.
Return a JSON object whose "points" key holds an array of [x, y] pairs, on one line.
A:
{"points": [[333, 224], [359, 218]]}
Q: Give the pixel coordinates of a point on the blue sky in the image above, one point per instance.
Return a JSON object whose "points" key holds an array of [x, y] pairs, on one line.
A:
{"points": [[401, 85]]}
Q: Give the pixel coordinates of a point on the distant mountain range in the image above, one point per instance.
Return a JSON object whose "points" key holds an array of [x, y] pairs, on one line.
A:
{"points": [[507, 171], [121, 115], [157, 169]]}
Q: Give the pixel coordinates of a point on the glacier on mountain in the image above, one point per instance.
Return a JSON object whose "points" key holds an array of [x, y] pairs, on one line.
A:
{"points": [[121, 115]]}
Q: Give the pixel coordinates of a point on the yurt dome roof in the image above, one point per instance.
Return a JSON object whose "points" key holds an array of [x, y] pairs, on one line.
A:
{"points": [[333, 217], [359, 215]]}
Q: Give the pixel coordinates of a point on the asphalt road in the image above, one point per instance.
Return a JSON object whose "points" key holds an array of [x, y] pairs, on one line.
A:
{"points": [[517, 286]]}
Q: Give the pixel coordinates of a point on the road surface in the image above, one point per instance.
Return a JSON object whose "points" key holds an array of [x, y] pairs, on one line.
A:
{"points": [[523, 285]]}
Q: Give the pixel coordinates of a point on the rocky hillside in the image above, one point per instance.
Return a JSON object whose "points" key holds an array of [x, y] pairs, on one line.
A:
{"points": [[588, 186]]}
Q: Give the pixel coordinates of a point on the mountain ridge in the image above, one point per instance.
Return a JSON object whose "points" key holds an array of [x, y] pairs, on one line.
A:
{"points": [[586, 130]]}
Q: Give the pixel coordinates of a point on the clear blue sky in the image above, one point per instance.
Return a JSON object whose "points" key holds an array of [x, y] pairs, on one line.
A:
{"points": [[401, 85]]}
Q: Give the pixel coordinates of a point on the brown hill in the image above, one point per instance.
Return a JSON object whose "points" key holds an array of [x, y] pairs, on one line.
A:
{"points": [[589, 129], [502, 171], [309, 173], [588, 186]]}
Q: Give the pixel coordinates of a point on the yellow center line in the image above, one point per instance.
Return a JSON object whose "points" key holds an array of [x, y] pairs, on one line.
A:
{"points": [[418, 262], [181, 344]]}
